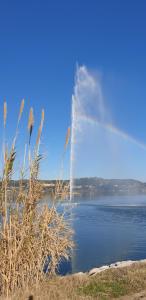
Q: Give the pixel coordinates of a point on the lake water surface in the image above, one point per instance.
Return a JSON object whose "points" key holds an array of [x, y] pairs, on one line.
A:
{"points": [[107, 229]]}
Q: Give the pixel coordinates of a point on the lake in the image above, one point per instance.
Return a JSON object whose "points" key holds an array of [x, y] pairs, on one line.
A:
{"points": [[107, 229]]}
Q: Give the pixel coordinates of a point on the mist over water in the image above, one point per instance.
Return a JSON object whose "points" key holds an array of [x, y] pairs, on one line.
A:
{"points": [[99, 148]]}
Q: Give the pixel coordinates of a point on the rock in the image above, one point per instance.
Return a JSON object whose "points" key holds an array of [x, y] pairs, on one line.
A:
{"points": [[79, 274], [114, 265], [125, 263], [93, 271], [122, 264], [98, 270], [142, 261]]}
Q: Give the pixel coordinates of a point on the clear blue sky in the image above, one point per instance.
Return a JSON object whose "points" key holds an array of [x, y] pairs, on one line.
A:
{"points": [[40, 43]]}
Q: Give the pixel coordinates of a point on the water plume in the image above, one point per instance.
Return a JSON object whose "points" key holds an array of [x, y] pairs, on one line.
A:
{"points": [[88, 109], [87, 100]]}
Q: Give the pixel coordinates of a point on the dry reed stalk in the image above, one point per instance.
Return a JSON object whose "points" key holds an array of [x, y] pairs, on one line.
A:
{"points": [[22, 169], [62, 190], [4, 120]]}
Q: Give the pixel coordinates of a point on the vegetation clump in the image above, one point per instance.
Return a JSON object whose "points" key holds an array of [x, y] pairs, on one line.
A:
{"points": [[33, 237]]}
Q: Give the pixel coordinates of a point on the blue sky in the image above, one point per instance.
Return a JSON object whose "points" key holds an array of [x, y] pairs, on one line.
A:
{"points": [[40, 43]]}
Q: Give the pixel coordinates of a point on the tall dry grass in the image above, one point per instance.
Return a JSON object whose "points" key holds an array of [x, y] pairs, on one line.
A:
{"points": [[62, 188], [31, 238]]}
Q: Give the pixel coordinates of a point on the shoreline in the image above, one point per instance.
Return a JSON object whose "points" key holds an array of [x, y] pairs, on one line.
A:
{"points": [[116, 265]]}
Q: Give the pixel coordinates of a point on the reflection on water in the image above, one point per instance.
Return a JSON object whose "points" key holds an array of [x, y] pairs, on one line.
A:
{"points": [[107, 230]]}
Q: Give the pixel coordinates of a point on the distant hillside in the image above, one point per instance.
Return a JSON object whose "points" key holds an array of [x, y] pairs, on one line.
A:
{"points": [[99, 186]]}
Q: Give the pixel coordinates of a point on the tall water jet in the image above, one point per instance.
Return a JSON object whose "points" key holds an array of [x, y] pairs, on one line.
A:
{"points": [[87, 103]]}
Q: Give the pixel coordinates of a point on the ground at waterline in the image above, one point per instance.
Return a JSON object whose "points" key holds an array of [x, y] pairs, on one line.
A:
{"points": [[128, 283]]}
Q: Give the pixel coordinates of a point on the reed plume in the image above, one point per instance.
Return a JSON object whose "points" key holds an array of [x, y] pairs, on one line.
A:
{"points": [[67, 138], [40, 129], [5, 113], [30, 123], [43, 117], [19, 118], [21, 110]]}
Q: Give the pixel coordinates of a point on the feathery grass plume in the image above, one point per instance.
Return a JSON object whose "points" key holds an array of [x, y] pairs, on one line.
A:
{"points": [[43, 117], [19, 118], [30, 123], [38, 136], [40, 129], [21, 110], [67, 138], [9, 162], [23, 168], [5, 113]]}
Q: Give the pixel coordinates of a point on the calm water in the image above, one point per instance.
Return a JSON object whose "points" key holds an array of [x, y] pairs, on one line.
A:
{"points": [[107, 230]]}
